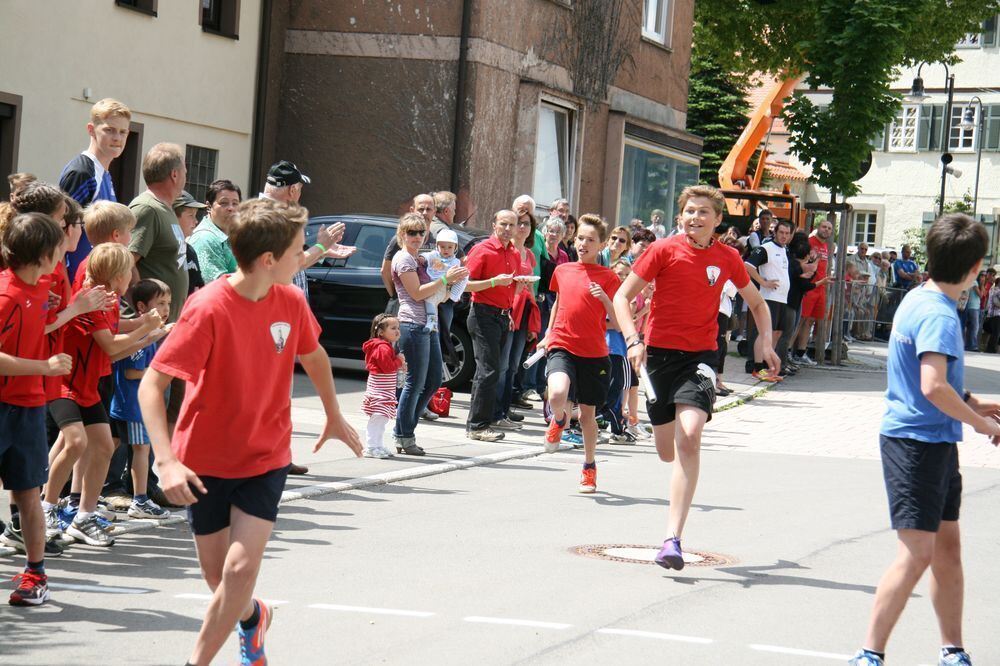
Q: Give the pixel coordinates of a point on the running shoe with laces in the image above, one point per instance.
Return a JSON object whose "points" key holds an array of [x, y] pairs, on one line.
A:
{"points": [[32, 589], [252, 640], [89, 531], [52, 526], [378, 452], [766, 376], [625, 438], [12, 537], [553, 435], [485, 435], [505, 424], [804, 360], [147, 509], [638, 431], [105, 511], [960, 658], [531, 396], [572, 437], [863, 658], [588, 480], [671, 556]]}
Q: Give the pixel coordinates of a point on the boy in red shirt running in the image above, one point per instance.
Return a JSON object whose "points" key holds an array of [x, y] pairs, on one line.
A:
{"points": [[231, 449], [31, 245], [576, 348], [679, 349]]}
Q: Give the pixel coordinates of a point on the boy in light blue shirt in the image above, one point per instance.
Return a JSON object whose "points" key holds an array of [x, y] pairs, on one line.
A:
{"points": [[926, 404]]}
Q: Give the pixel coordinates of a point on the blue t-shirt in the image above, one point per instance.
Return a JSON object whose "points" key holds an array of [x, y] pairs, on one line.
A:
{"points": [[125, 401], [926, 321], [908, 266], [616, 343]]}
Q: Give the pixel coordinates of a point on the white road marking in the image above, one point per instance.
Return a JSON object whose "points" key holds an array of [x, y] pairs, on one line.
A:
{"points": [[99, 588], [657, 635], [208, 597], [517, 623], [372, 611], [800, 653]]}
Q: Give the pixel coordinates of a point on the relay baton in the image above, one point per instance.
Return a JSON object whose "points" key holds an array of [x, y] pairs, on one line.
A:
{"points": [[534, 358], [647, 385]]}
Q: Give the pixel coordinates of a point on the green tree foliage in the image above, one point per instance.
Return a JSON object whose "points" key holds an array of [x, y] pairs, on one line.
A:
{"points": [[853, 47], [717, 108]]}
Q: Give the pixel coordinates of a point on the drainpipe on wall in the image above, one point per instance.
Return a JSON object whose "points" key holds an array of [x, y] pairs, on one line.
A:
{"points": [[257, 166], [463, 66]]}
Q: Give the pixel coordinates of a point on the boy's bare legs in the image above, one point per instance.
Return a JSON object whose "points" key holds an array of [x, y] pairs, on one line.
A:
{"points": [[948, 582], [230, 560], [74, 438], [588, 425], [32, 522], [663, 437], [913, 556], [558, 392], [95, 461], [140, 468], [687, 435]]}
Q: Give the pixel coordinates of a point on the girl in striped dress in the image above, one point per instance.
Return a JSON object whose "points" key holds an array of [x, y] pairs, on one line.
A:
{"points": [[383, 363]]}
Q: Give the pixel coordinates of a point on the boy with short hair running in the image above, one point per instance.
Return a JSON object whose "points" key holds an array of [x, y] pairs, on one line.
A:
{"points": [[231, 449], [679, 351], [575, 345], [926, 405]]}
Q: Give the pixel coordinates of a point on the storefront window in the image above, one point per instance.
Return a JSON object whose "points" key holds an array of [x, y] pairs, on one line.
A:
{"points": [[652, 179]]}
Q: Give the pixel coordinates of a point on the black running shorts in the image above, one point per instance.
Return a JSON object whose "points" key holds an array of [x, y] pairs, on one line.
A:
{"points": [[676, 381], [255, 495], [589, 378], [923, 482]]}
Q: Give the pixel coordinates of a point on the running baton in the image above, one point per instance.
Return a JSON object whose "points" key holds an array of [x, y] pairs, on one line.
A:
{"points": [[647, 385], [534, 358]]}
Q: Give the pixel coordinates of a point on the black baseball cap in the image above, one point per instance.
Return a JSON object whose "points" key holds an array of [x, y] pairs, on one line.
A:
{"points": [[285, 173]]}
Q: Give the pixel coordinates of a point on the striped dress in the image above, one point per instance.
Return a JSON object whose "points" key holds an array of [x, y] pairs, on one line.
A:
{"points": [[380, 391]]}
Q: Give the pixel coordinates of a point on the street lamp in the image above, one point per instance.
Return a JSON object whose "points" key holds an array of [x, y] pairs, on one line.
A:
{"points": [[918, 95], [969, 123]]}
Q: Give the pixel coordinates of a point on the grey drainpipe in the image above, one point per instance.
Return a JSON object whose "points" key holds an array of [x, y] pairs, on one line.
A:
{"points": [[463, 66], [263, 62]]}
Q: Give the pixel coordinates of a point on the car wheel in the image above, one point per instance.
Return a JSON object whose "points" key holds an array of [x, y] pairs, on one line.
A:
{"points": [[459, 370]]}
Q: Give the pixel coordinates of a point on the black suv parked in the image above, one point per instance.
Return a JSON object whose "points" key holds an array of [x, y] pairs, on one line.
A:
{"points": [[346, 294]]}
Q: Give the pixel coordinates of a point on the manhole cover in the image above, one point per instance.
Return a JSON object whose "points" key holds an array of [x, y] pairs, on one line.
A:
{"points": [[633, 554]]}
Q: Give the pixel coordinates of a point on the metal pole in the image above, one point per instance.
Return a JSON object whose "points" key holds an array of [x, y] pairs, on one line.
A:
{"points": [[945, 134], [837, 339], [979, 156]]}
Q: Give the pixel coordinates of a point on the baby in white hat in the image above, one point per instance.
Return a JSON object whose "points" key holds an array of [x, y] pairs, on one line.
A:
{"points": [[438, 263]]}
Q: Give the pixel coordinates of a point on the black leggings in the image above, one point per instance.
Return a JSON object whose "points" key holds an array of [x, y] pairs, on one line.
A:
{"points": [[721, 345], [992, 326]]}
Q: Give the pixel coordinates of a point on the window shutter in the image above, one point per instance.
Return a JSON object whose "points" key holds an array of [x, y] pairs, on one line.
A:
{"points": [[990, 31], [936, 127], [991, 141], [924, 128]]}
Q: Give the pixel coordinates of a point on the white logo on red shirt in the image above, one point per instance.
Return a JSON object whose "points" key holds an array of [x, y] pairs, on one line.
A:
{"points": [[713, 273], [279, 333]]}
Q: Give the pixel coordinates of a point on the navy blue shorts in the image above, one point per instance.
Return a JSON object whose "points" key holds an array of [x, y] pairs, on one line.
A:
{"points": [[923, 482], [24, 452], [254, 495]]}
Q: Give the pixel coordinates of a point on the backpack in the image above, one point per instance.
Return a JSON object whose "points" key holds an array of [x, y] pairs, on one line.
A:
{"points": [[440, 402]]}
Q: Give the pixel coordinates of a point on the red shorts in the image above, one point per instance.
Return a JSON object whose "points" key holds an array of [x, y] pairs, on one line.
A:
{"points": [[814, 304]]}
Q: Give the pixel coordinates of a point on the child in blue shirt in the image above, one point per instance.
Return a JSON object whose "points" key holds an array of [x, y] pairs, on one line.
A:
{"points": [[146, 295], [926, 404]]}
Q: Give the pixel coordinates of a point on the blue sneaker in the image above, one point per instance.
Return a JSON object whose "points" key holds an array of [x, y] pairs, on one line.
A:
{"points": [[572, 437], [671, 556], [960, 658], [65, 515], [252, 640], [864, 658]]}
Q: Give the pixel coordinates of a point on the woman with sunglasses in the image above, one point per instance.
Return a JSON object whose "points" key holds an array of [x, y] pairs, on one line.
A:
{"points": [[420, 348], [619, 244]]}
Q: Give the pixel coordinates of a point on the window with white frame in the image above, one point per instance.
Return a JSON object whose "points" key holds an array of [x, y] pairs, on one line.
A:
{"points": [[962, 140], [865, 227], [553, 154], [972, 40], [903, 130], [656, 20]]}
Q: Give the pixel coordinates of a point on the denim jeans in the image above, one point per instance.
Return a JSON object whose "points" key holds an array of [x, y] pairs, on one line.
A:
{"points": [[489, 329], [512, 351], [422, 351], [972, 318]]}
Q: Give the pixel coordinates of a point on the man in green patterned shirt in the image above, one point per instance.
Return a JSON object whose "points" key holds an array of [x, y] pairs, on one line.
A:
{"points": [[210, 239]]}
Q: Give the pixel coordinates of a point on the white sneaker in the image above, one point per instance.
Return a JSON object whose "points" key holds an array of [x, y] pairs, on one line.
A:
{"points": [[805, 360], [378, 452], [147, 509]]}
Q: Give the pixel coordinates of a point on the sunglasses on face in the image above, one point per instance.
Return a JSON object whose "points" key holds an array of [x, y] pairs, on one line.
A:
{"points": [[618, 239], [415, 232], [71, 223]]}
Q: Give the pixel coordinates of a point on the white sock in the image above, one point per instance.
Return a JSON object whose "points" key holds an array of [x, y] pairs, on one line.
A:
{"points": [[46, 506]]}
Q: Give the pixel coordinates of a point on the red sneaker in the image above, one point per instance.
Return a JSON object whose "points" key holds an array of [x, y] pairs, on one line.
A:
{"points": [[554, 434], [588, 480], [33, 589]]}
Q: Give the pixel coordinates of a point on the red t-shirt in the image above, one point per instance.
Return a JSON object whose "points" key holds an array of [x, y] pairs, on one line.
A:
{"points": [[237, 357], [819, 247], [487, 260], [24, 312], [81, 275], [60, 285], [114, 315], [685, 304], [580, 322], [89, 360]]}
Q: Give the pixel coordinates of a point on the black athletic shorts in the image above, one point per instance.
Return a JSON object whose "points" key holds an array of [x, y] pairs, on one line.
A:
{"points": [[24, 455], [255, 495], [923, 482], [64, 411], [676, 381], [589, 378], [106, 389], [782, 316]]}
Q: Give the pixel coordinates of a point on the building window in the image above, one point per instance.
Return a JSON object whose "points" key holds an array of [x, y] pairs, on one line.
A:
{"points": [[652, 178], [973, 40], [10, 134], [656, 20], [201, 164], [221, 17], [553, 154], [144, 6], [903, 130], [962, 140], [865, 226]]}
